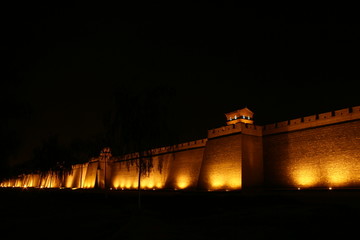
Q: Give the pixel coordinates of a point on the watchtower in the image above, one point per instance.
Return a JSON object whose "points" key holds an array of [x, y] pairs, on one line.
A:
{"points": [[244, 115]]}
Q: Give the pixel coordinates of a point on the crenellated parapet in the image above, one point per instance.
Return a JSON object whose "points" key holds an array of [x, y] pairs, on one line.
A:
{"points": [[317, 120], [180, 147], [321, 119], [240, 127], [225, 130], [167, 149]]}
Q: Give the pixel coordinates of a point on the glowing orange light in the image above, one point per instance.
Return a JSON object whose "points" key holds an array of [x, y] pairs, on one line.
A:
{"points": [[217, 182], [305, 177], [150, 184], [128, 184], [183, 182], [222, 182], [338, 173]]}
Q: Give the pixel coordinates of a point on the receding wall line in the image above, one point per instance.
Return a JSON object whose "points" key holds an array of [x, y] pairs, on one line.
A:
{"points": [[227, 135], [160, 154], [308, 128]]}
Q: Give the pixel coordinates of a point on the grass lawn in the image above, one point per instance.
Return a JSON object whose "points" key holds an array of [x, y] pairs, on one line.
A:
{"points": [[265, 214]]}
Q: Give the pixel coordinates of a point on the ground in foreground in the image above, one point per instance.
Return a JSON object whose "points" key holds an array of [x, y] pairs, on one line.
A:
{"points": [[80, 214]]}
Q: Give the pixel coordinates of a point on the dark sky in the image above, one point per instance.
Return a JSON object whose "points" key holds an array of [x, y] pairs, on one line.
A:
{"points": [[66, 62]]}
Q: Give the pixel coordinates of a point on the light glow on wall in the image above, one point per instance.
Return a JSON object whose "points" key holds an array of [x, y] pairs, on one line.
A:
{"points": [[217, 181], [331, 171], [229, 180], [183, 182], [131, 182], [338, 171], [126, 177], [305, 176]]}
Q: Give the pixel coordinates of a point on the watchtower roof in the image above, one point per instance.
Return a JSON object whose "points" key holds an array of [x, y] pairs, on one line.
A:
{"points": [[244, 115]]}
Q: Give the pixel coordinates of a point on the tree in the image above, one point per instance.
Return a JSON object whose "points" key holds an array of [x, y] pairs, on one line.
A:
{"points": [[11, 109], [81, 150], [139, 123], [51, 158]]}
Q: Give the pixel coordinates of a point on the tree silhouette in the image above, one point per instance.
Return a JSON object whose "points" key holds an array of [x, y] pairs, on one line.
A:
{"points": [[11, 109], [139, 123], [57, 159], [80, 151], [51, 158]]}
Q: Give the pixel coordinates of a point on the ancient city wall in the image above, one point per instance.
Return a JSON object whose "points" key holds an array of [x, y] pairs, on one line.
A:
{"points": [[233, 158], [252, 161], [76, 179], [124, 175], [320, 156], [221, 167], [338, 116], [175, 167], [314, 151], [185, 169]]}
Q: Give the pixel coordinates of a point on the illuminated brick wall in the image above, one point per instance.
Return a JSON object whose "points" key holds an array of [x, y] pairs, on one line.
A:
{"points": [[125, 176], [323, 156], [76, 179], [252, 161], [221, 168], [185, 169], [177, 167], [321, 150]]}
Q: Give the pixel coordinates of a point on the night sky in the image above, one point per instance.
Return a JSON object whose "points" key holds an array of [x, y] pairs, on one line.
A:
{"points": [[66, 63]]}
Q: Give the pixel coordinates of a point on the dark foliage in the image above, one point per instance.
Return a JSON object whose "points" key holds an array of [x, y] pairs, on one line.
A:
{"points": [[138, 121], [11, 109], [137, 124]]}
